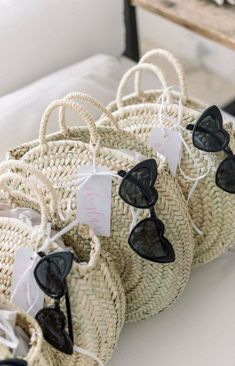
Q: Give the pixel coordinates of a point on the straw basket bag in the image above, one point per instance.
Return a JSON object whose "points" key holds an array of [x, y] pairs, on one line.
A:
{"points": [[96, 292], [151, 96], [39, 352], [211, 209], [149, 287]]}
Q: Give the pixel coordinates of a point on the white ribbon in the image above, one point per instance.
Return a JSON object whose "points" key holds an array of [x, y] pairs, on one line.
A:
{"points": [[135, 217], [83, 178], [176, 124], [7, 334], [89, 354]]}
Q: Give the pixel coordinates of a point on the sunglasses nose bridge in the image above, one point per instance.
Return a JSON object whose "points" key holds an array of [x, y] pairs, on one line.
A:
{"points": [[152, 212], [228, 151], [122, 173], [190, 127], [57, 304]]}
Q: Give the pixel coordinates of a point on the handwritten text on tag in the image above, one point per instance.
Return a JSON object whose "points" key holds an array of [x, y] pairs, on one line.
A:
{"points": [[168, 143], [94, 200], [24, 286]]}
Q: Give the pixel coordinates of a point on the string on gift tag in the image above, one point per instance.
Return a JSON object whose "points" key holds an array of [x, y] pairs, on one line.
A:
{"points": [[135, 217], [177, 125], [81, 178], [7, 334], [88, 353], [25, 261]]}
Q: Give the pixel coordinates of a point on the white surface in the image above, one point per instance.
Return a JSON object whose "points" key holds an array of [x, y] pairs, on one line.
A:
{"points": [[22, 110], [40, 36], [199, 330]]}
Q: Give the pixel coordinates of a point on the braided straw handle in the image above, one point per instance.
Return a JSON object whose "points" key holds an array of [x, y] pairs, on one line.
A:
{"points": [[179, 69], [7, 177], [27, 168], [64, 129], [140, 67], [87, 233], [92, 101]]}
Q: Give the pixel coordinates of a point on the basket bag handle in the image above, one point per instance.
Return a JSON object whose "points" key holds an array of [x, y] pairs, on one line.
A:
{"points": [[30, 184], [64, 103], [27, 168], [140, 67], [94, 102], [87, 233], [179, 69], [6, 192]]}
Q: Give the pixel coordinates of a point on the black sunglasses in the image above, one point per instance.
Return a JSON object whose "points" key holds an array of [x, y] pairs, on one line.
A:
{"points": [[13, 362], [50, 274], [210, 136], [147, 237]]}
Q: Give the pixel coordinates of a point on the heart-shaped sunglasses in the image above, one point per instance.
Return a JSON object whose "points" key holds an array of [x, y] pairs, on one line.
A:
{"points": [[50, 274], [210, 136], [147, 237]]}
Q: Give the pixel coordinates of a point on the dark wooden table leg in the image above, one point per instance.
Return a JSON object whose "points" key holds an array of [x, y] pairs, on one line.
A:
{"points": [[132, 42]]}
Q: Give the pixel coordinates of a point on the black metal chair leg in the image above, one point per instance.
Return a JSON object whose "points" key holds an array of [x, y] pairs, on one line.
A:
{"points": [[132, 43]]}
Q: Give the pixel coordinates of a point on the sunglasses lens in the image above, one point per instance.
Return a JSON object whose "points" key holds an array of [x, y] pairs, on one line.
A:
{"points": [[52, 322], [208, 134], [225, 176], [48, 275], [146, 240], [135, 189]]}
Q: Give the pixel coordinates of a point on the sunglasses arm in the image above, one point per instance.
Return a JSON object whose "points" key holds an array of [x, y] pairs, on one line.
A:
{"points": [[69, 315], [13, 362], [190, 127]]}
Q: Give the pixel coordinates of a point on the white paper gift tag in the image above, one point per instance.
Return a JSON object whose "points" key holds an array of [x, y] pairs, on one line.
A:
{"points": [[24, 286], [94, 200], [168, 143]]}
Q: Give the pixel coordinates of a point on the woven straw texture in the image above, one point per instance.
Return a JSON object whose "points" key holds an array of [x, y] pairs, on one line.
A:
{"points": [[96, 292], [39, 353], [210, 208], [149, 287]]}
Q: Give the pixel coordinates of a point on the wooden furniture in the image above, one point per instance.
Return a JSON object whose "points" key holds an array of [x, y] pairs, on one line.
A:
{"points": [[200, 16]]}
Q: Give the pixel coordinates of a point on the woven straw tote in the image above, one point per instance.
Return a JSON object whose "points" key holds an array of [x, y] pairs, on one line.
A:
{"points": [[39, 353], [149, 287], [151, 96], [211, 209], [96, 292]]}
